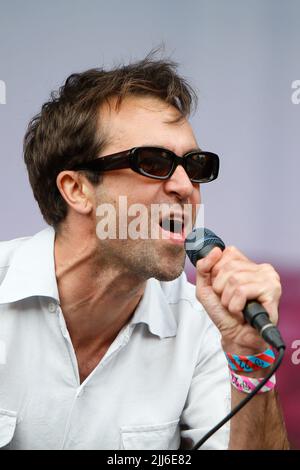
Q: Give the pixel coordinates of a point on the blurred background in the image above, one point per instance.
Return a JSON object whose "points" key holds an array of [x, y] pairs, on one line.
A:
{"points": [[242, 56]]}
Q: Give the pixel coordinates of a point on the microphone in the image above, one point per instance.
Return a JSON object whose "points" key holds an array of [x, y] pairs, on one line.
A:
{"points": [[197, 245]]}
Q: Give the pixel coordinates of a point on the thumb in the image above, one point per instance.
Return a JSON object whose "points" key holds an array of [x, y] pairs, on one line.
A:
{"points": [[205, 265]]}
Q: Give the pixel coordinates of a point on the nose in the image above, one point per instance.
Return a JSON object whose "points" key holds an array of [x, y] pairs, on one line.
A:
{"points": [[180, 184]]}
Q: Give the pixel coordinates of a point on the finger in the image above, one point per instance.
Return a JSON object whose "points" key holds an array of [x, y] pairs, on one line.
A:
{"points": [[231, 272], [230, 254], [240, 296], [205, 265], [226, 285], [272, 309], [250, 291], [234, 272]]}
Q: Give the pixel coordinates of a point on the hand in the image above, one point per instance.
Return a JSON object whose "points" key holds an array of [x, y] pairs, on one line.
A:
{"points": [[225, 282]]}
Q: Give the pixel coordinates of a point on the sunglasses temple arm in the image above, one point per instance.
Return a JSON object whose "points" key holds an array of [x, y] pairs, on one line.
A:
{"points": [[105, 164]]}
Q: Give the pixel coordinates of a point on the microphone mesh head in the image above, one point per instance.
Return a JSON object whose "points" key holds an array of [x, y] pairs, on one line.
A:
{"points": [[199, 242]]}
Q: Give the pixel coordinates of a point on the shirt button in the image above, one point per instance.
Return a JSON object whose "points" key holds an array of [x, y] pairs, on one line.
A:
{"points": [[52, 307]]}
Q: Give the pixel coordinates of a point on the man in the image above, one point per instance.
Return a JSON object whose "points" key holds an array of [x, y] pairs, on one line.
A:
{"points": [[106, 345]]}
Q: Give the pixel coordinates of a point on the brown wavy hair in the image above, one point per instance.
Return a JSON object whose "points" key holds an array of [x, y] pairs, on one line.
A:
{"points": [[68, 128]]}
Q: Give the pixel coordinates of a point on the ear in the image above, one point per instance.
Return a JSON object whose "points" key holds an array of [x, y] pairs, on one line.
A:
{"points": [[76, 191]]}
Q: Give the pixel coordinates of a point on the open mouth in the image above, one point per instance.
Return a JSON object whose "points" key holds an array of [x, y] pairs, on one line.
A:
{"points": [[172, 228], [172, 225]]}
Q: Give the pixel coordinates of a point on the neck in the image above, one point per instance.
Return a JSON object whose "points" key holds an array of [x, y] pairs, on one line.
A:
{"points": [[97, 296]]}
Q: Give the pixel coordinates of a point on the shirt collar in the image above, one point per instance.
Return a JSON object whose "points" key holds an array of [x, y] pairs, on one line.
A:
{"points": [[32, 273], [155, 311]]}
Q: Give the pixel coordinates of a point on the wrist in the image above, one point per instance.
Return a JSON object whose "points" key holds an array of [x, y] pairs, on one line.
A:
{"points": [[255, 374], [244, 349], [253, 365]]}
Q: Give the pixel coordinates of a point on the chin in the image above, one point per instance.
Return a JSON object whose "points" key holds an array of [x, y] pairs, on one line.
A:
{"points": [[168, 274]]}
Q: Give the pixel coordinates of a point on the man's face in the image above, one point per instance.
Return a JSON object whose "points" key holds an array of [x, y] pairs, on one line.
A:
{"points": [[146, 121]]}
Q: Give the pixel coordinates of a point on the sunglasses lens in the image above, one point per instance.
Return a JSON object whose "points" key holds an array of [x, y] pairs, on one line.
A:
{"points": [[202, 168], [154, 162]]}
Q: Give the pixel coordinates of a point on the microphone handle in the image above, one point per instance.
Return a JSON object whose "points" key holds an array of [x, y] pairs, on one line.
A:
{"points": [[258, 318]]}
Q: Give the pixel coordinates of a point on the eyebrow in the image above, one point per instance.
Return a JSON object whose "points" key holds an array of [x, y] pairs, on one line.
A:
{"points": [[194, 149]]}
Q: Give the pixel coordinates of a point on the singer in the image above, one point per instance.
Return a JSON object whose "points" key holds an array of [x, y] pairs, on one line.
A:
{"points": [[105, 345]]}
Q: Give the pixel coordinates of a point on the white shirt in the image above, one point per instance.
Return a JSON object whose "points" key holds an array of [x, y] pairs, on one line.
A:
{"points": [[162, 384]]}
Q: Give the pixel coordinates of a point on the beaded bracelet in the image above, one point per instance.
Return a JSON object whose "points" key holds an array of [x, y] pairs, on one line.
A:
{"points": [[250, 363], [247, 384]]}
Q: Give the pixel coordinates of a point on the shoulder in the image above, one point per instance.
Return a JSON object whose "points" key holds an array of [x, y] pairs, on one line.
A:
{"points": [[7, 252]]}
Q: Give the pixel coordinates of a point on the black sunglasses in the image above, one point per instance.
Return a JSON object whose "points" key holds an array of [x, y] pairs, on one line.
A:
{"points": [[158, 163]]}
